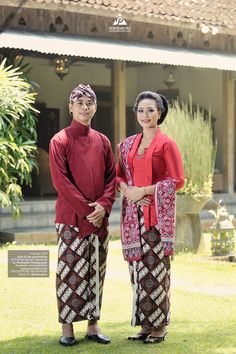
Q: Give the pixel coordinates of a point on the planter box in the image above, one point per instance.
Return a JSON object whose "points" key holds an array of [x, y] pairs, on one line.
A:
{"points": [[188, 225], [187, 204]]}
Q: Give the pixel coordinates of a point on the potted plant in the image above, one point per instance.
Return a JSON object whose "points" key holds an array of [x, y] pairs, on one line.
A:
{"points": [[222, 231], [194, 137]]}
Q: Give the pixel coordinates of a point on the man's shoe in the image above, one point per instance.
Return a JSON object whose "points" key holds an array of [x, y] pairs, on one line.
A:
{"points": [[139, 336], [99, 338], [67, 341]]}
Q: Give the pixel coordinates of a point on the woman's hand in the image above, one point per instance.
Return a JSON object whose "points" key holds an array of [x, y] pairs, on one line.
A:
{"points": [[134, 194], [144, 201]]}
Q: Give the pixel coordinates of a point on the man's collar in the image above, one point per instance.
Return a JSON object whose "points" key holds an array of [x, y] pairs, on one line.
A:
{"points": [[79, 129]]}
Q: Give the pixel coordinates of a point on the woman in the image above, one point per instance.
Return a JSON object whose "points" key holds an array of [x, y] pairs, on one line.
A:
{"points": [[148, 174]]}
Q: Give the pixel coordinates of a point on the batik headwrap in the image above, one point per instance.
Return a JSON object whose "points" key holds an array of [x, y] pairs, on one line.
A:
{"points": [[82, 90]]}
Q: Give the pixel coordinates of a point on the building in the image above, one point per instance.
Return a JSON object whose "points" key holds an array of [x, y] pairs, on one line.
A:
{"points": [[122, 47]]}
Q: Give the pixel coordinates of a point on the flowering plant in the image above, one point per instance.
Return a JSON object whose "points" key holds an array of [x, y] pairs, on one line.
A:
{"points": [[222, 231], [223, 219]]}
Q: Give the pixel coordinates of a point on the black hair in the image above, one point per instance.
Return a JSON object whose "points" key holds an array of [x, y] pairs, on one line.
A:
{"points": [[160, 100]]}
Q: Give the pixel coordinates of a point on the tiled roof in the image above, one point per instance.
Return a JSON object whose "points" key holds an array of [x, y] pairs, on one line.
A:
{"points": [[210, 12]]}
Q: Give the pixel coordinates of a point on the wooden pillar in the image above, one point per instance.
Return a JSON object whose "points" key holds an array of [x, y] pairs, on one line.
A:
{"points": [[229, 132], [119, 101]]}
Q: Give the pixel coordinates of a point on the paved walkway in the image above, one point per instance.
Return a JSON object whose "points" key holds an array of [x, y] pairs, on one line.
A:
{"points": [[177, 283], [180, 284], [123, 274], [215, 290]]}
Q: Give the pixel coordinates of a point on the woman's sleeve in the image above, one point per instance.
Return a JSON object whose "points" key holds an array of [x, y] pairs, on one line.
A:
{"points": [[174, 163]]}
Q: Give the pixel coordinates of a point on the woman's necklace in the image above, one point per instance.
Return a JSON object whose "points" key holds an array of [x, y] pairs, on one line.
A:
{"points": [[142, 147], [144, 144], [141, 150]]}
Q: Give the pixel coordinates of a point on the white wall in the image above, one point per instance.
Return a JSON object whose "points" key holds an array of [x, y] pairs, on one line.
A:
{"points": [[55, 92], [151, 77], [205, 86], [131, 85]]}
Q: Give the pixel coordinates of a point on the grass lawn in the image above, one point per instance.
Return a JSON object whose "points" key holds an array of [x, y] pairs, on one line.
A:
{"points": [[203, 319]]}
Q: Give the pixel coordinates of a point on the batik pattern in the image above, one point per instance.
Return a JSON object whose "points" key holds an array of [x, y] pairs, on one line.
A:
{"points": [[165, 209], [80, 274], [130, 237], [150, 280]]}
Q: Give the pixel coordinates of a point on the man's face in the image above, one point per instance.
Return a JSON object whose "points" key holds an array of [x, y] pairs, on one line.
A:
{"points": [[83, 110]]}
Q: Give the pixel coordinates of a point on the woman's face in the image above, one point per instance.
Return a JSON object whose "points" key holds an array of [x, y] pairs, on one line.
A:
{"points": [[147, 113], [83, 110]]}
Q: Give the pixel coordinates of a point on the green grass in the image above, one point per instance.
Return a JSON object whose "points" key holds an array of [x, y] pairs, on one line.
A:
{"points": [[203, 319]]}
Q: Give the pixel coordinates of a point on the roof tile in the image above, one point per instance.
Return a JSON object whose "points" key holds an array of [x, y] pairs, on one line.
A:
{"points": [[214, 12]]}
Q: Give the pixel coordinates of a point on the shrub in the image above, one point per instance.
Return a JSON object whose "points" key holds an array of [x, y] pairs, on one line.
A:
{"points": [[193, 135], [17, 135]]}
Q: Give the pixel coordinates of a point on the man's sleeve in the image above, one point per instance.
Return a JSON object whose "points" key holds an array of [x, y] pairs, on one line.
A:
{"points": [[108, 198], [64, 187], [120, 176]]}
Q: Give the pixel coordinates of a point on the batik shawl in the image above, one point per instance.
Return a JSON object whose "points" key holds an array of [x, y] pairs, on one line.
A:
{"points": [[130, 236], [165, 210]]}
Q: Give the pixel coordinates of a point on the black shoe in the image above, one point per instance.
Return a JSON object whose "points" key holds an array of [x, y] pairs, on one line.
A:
{"points": [[152, 340], [67, 341], [99, 338], [139, 336]]}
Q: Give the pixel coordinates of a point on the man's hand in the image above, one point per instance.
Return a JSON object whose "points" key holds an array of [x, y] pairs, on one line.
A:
{"points": [[97, 216]]}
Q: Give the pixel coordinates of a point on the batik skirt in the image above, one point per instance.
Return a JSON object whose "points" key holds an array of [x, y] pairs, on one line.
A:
{"points": [[80, 274], [150, 280]]}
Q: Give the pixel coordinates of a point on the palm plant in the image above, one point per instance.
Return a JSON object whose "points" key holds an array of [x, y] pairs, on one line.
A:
{"points": [[193, 135], [17, 135]]}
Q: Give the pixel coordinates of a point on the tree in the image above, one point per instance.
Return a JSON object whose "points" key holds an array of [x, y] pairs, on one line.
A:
{"points": [[17, 135]]}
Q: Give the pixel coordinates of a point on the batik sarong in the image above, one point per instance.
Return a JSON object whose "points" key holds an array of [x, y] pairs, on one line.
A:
{"points": [[80, 274], [150, 278]]}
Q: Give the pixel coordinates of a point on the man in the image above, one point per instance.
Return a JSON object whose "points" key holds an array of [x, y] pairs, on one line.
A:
{"points": [[83, 173]]}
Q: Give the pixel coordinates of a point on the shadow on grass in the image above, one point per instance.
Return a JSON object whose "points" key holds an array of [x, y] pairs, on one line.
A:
{"points": [[179, 341]]}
